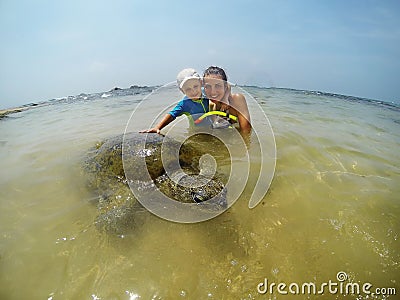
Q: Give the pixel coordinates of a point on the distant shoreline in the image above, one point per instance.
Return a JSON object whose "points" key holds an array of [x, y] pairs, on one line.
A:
{"points": [[135, 89], [5, 112]]}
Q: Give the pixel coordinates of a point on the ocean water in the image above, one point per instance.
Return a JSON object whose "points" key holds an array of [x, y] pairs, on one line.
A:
{"points": [[332, 213]]}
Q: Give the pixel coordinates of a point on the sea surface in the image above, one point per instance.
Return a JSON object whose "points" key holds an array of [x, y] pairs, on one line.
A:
{"points": [[331, 215]]}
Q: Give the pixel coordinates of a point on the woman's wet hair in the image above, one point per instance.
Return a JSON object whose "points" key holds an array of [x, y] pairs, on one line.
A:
{"points": [[213, 70]]}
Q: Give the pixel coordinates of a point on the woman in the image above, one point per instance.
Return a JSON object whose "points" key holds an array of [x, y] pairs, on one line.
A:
{"points": [[218, 92]]}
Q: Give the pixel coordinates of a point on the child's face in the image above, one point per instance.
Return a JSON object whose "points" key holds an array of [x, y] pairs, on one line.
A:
{"points": [[192, 88], [214, 87]]}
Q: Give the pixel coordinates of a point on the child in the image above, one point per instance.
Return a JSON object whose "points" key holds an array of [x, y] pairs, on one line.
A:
{"points": [[193, 105]]}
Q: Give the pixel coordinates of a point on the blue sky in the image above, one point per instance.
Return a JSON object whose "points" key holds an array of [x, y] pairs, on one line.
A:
{"points": [[52, 49]]}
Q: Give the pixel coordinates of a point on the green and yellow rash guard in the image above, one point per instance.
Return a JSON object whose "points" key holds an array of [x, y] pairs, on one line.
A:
{"points": [[193, 109]]}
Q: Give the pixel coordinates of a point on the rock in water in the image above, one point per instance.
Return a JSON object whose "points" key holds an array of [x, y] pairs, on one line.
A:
{"points": [[118, 208]]}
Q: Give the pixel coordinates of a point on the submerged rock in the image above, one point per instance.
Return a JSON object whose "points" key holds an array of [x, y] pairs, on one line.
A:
{"points": [[116, 89], [5, 112], [119, 210]]}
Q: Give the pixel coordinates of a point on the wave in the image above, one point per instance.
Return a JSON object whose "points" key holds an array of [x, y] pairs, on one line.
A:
{"points": [[387, 104], [144, 90]]}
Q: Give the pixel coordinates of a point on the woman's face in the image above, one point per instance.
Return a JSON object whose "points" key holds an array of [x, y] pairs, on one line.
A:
{"points": [[214, 87]]}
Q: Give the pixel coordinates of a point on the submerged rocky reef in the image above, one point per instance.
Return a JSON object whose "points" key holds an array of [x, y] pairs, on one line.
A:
{"points": [[119, 209]]}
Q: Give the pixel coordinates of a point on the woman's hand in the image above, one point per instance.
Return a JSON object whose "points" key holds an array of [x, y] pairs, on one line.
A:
{"points": [[226, 99]]}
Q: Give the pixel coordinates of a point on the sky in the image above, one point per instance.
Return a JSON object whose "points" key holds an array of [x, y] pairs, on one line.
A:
{"points": [[52, 49]]}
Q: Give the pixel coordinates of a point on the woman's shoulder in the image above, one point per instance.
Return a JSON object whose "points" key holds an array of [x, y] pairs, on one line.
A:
{"points": [[238, 98], [238, 103]]}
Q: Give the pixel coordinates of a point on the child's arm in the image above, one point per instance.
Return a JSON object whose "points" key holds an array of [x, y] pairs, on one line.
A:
{"points": [[164, 122]]}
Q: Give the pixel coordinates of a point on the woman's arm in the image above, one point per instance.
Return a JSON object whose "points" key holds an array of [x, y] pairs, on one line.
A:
{"points": [[240, 109]]}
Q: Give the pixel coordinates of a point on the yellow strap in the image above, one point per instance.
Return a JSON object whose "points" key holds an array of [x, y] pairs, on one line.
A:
{"points": [[217, 112]]}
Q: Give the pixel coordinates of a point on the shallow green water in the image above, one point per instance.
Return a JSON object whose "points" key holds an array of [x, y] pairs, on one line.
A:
{"points": [[333, 206]]}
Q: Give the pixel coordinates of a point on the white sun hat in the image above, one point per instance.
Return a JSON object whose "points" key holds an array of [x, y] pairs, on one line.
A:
{"points": [[185, 75]]}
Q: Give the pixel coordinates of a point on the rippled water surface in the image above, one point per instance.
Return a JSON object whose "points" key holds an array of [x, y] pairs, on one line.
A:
{"points": [[333, 206]]}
